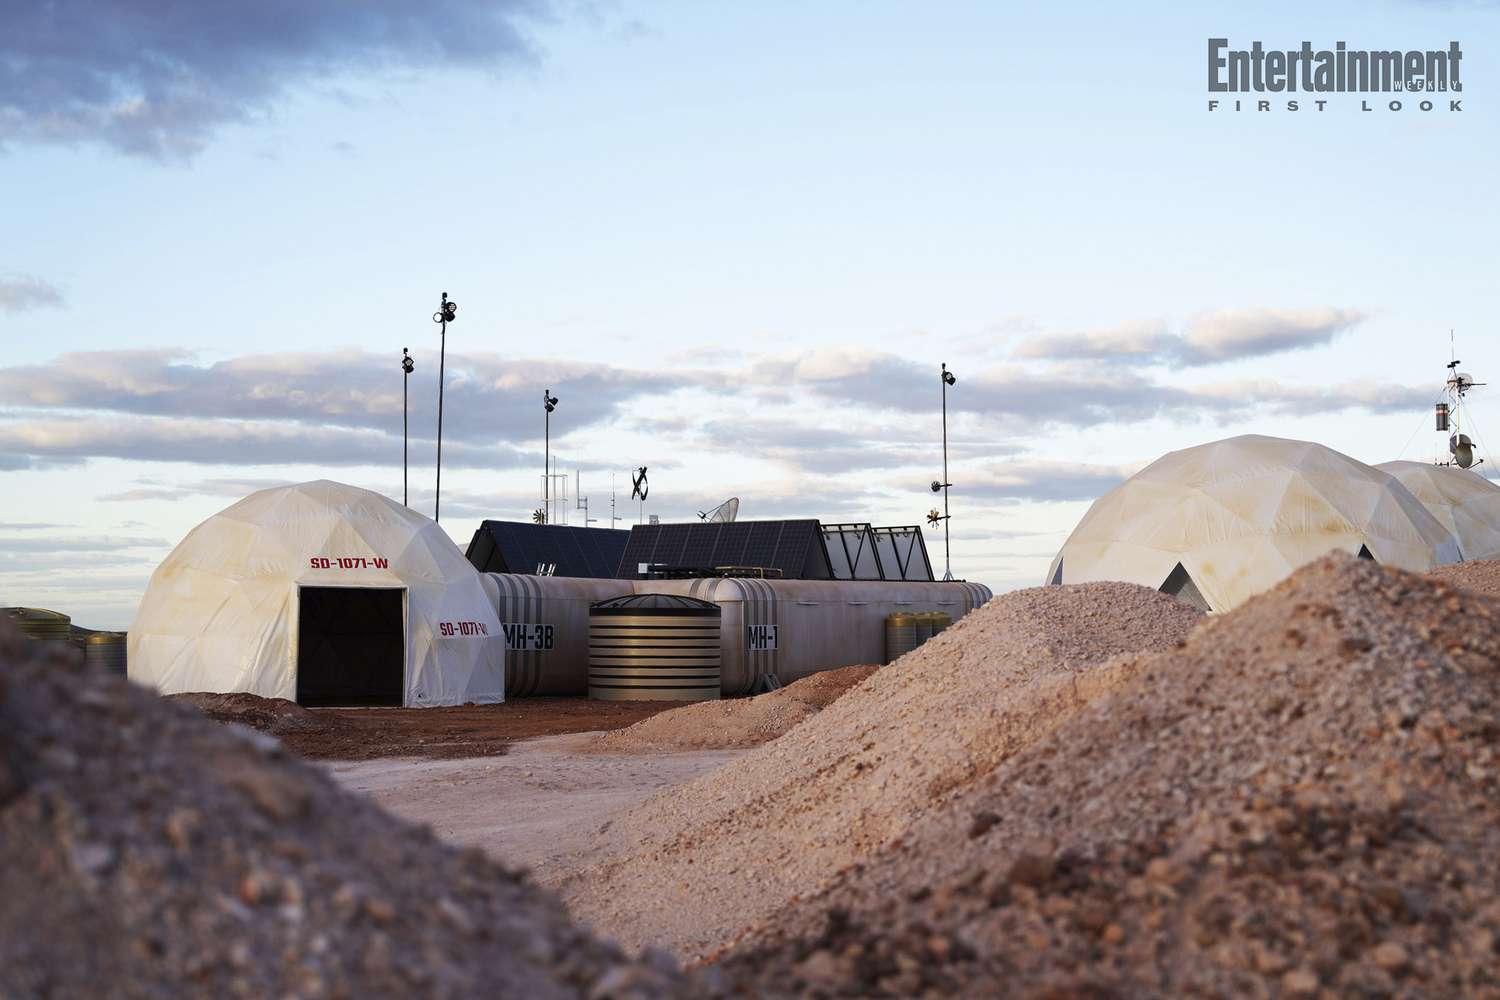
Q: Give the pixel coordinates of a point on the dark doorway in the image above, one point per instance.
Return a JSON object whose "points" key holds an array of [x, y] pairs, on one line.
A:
{"points": [[351, 647], [1181, 586]]}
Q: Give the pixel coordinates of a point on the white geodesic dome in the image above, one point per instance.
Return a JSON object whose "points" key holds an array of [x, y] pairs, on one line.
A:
{"points": [[1220, 522], [222, 611], [1463, 501]]}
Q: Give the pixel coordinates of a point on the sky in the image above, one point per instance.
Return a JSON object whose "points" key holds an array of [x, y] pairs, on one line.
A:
{"points": [[736, 241]]}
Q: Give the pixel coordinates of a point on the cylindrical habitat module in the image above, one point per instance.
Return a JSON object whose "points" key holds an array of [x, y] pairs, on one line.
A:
{"points": [[39, 623], [654, 647], [900, 635], [105, 651]]}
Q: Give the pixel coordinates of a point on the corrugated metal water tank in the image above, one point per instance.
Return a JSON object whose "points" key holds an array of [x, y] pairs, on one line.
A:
{"points": [[654, 647], [901, 635], [105, 651]]}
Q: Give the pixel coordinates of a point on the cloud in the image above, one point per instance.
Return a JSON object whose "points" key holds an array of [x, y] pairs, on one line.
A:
{"points": [[75, 544], [1045, 481], [158, 80], [230, 442], [487, 396], [20, 292], [149, 489], [28, 526], [1209, 337]]}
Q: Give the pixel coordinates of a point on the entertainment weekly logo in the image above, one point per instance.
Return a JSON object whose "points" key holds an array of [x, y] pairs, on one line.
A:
{"points": [[1424, 80]]}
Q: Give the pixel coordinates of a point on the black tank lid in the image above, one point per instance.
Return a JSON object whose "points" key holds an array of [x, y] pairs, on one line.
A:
{"points": [[655, 604]]}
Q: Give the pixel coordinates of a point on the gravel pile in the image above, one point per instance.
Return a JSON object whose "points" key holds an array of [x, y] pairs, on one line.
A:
{"points": [[733, 723], [1300, 801], [146, 851], [1480, 575], [694, 865], [269, 715]]}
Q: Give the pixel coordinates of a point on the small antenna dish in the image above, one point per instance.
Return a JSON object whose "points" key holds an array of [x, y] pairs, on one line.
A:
{"points": [[1462, 450], [722, 514]]}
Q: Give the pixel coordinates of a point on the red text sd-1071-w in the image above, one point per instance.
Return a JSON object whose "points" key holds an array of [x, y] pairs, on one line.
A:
{"points": [[349, 562]]}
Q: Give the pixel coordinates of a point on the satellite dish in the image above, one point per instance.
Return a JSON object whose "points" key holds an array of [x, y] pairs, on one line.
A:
{"points": [[1462, 450], [722, 514]]}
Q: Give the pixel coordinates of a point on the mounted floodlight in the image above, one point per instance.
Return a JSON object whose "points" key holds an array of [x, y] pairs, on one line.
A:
{"points": [[407, 365], [549, 400], [949, 377], [937, 487], [447, 312]]}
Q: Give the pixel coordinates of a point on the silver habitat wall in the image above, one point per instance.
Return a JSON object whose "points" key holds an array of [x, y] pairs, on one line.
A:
{"points": [[770, 629]]}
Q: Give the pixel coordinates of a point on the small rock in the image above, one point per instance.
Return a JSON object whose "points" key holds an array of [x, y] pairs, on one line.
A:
{"points": [[1032, 870], [982, 824], [1390, 956], [1300, 983]]}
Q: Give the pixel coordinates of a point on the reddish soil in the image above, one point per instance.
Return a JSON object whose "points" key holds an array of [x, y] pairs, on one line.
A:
{"points": [[462, 731]]}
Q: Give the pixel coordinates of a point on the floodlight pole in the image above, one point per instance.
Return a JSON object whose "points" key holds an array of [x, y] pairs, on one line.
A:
{"points": [[947, 556], [406, 368], [445, 313], [549, 403]]}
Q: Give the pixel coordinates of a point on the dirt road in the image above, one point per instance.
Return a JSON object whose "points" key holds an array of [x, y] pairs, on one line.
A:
{"points": [[536, 805]]}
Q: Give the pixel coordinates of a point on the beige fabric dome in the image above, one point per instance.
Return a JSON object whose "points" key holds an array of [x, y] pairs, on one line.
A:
{"points": [[1464, 502], [1220, 522], [322, 593]]}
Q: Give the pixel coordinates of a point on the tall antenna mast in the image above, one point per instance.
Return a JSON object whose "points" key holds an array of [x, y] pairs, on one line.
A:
{"points": [[1450, 415]]}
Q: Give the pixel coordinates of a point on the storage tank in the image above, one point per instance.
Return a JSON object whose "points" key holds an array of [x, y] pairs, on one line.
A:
{"points": [[654, 647], [900, 635], [105, 651], [39, 623], [545, 621], [940, 620]]}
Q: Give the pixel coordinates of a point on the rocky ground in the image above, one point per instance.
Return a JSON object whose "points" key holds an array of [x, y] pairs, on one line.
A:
{"points": [[692, 866], [1301, 800], [733, 723], [146, 851]]}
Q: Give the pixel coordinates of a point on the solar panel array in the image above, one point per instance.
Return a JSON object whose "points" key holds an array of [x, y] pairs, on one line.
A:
{"points": [[903, 554], [518, 547], [851, 552], [794, 549]]}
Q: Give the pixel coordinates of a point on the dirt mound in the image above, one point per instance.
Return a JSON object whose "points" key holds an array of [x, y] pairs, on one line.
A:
{"points": [[269, 715], [690, 867], [1303, 798], [733, 722], [1479, 575], [145, 851]]}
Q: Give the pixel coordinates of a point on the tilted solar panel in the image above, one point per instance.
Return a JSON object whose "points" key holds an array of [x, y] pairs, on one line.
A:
{"points": [[518, 547]]}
